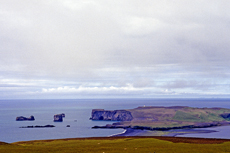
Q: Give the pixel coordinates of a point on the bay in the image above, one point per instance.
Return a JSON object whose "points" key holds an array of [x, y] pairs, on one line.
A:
{"points": [[78, 112]]}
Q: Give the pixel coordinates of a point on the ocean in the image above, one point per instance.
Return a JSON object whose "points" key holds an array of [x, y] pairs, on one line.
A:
{"points": [[77, 114]]}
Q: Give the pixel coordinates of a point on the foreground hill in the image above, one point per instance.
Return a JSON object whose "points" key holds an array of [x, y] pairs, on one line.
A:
{"points": [[163, 118], [119, 144]]}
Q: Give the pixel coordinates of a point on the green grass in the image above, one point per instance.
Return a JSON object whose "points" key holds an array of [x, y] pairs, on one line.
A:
{"points": [[197, 116], [157, 117], [184, 116], [127, 145]]}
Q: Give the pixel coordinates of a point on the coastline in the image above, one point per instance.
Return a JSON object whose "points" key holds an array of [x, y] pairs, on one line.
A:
{"points": [[79, 110], [171, 133]]}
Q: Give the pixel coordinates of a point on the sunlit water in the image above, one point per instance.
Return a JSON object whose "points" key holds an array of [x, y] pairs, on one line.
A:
{"points": [[78, 113]]}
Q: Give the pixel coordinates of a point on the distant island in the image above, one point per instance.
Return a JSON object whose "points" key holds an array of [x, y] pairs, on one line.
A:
{"points": [[163, 118], [22, 118]]}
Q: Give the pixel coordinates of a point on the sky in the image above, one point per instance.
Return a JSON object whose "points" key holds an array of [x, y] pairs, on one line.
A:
{"points": [[54, 49]]}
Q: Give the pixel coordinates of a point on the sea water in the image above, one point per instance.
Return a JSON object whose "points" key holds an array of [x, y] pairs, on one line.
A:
{"points": [[77, 114]]}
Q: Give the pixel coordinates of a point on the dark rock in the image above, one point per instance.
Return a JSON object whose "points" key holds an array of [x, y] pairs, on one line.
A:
{"points": [[204, 125], [67, 125], [22, 118], [59, 117], [116, 115], [38, 126], [225, 115], [109, 126], [63, 115], [49, 126]]}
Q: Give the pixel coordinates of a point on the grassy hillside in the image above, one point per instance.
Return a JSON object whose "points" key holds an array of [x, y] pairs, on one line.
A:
{"points": [[177, 116], [115, 145]]}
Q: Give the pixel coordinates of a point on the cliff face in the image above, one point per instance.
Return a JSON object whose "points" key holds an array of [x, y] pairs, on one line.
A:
{"points": [[116, 115]]}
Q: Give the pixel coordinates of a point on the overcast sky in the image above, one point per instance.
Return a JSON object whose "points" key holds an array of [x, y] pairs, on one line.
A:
{"points": [[114, 49]]}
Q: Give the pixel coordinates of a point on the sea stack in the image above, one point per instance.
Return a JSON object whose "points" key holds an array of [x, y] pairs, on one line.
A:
{"points": [[59, 117]]}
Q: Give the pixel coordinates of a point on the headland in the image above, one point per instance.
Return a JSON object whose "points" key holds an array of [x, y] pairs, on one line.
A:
{"points": [[163, 121]]}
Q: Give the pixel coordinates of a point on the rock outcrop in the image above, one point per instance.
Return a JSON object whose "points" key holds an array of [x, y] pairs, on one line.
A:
{"points": [[225, 116], [116, 115], [38, 126], [22, 118], [59, 117]]}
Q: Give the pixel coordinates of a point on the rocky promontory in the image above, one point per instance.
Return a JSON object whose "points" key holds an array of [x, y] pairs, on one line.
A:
{"points": [[116, 115], [163, 118], [22, 118]]}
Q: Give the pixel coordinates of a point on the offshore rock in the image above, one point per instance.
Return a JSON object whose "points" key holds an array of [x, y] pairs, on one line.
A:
{"points": [[22, 118], [116, 115], [38, 126], [59, 117]]}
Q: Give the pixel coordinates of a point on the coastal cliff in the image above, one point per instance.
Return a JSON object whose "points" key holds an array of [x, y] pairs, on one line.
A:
{"points": [[116, 115]]}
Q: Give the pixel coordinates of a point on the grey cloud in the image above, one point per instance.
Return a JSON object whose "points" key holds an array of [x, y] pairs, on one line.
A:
{"points": [[115, 43], [56, 38], [188, 84]]}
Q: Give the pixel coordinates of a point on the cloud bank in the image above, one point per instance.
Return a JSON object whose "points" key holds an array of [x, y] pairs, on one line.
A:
{"points": [[120, 48]]}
